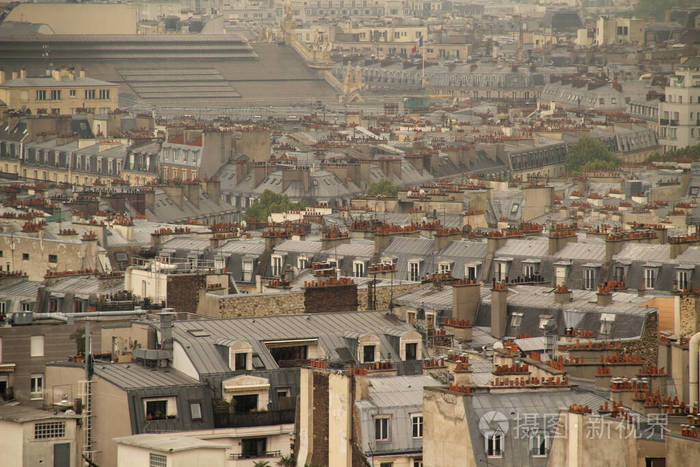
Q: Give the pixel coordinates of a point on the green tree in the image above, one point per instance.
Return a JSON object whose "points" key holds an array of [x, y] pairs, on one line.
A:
{"points": [[261, 464], [287, 461], [270, 202], [590, 153], [383, 187]]}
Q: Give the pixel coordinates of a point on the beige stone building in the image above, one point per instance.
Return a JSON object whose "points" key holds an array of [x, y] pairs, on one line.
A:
{"points": [[612, 30], [58, 92], [34, 254]]}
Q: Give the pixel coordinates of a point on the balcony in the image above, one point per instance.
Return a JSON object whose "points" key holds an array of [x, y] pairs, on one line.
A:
{"points": [[260, 455], [663, 121], [265, 418]]}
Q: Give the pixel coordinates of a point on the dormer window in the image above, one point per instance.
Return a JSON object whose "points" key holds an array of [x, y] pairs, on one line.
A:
{"points": [[471, 271], [531, 268], [302, 262], [358, 268], [277, 262], [684, 275], [502, 267], [589, 277], [445, 267], [414, 270], [650, 276]]}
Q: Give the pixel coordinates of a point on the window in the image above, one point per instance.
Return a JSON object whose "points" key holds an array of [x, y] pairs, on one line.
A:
{"points": [[381, 428], [36, 346], [494, 445], [445, 268], [515, 320], [161, 409], [501, 271], [49, 430], [649, 278], [36, 387], [157, 460], [90, 94], [41, 94], [196, 410], [589, 278], [530, 270], [683, 279], [411, 351], [368, 354], [53, 259], [55, 95], [358, 269], [470, 272], [620, 274], [302, 262], [71, 93], [414, 271], [276, 265], [539, 445], [417, 425], [27, 306], [253, 447], [104, 93], [241, 361], [386, 464], [25, 256]]}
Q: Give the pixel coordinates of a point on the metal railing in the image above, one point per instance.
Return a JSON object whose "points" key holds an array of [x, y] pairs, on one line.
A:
{"points": [[261, 455]]}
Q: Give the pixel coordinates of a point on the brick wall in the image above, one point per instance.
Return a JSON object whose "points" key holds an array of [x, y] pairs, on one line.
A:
{"points": [[330, 298], [183, 292], [319, 456]]}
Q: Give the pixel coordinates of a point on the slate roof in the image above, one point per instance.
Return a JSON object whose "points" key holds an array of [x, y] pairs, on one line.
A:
{"points": [[396, 391], [588, 251], [527, 247], [331, 329], [135, 376]]}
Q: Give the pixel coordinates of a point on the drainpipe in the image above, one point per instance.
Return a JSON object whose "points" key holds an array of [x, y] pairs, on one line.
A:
{"points": [[693, 365]]}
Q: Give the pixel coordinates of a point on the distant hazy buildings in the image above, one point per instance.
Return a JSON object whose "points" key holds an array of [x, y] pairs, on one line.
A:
{"points": [[679, 115], [58, 92]]}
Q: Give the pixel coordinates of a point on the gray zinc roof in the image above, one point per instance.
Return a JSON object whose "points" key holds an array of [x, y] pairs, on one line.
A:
{"points": [[330, 329], [135, 376]]}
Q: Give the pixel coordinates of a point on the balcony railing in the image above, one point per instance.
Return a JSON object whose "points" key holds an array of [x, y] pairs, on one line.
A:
{"points": [[663, 121], [261, 455], [266, 418]]}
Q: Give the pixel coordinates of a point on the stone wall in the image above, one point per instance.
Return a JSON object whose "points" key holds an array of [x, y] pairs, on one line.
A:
{"points": [[689, 315], [647, 345], [245, 305]]}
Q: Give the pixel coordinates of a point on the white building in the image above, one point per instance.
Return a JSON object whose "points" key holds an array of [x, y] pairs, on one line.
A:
{"points": [[679, 115], [169, 449], [30, 436]]}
